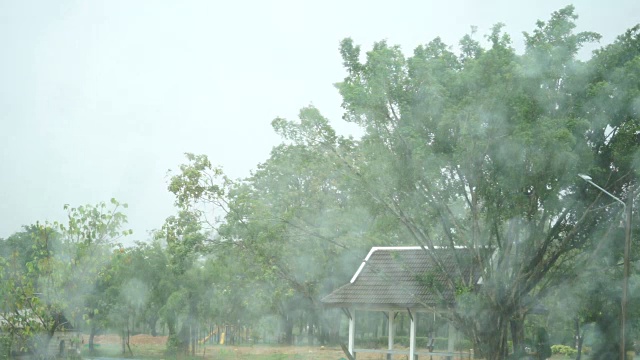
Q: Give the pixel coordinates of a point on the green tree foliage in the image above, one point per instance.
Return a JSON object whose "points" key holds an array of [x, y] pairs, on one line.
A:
{"points": [[149, 266], [29, 315], [187, 236], [478, 148], [285, 227], [52, 270], [295, 223], [610, 102], [482, 150]]}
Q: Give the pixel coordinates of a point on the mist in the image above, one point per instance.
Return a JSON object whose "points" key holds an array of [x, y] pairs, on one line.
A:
{"points": [[227, 168]]}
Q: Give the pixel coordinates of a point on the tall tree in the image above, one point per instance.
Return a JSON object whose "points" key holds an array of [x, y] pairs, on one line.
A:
{"points": [[51, 279], [184, 238], [479, 150], [31, 314], [611, 102], [289, 212], [90, 236]]}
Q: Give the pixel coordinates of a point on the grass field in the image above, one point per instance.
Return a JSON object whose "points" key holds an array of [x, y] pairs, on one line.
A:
{"points": [[248, 352], [154, 351], [154, 348]]}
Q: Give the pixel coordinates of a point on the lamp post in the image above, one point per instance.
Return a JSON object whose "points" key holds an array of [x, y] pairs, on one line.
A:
{"points": [[625, 272]]}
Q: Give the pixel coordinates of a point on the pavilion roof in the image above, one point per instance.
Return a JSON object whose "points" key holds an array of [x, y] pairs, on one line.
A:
{"points": [[406, 277]]}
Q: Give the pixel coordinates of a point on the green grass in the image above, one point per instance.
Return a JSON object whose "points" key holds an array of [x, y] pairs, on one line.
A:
{"points": [[152, 351], [139, 351]]}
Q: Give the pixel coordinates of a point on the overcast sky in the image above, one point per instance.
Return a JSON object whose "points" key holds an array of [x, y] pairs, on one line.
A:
{"points": [[98, 99]]}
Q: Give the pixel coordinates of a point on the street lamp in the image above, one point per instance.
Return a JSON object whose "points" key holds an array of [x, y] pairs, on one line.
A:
{"points": [[627, 249]]}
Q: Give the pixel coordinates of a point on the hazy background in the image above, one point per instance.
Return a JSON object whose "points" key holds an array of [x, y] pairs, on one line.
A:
{"points": [[98, 99]]}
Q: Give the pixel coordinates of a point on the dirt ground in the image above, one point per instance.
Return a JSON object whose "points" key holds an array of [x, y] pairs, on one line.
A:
{"points": [[141, 339]]}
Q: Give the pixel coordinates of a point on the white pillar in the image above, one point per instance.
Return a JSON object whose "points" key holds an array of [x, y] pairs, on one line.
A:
{"points": [[451, 340], [412, 337], [352, 330], [391, 332]]}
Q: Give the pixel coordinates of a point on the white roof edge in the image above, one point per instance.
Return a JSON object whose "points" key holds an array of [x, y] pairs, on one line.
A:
{"points": [[376, 248]]}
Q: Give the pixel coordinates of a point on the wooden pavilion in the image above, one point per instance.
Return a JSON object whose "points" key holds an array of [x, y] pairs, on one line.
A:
{"points": [[403, 279]]}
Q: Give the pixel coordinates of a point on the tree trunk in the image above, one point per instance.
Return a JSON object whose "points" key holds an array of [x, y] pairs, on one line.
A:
{"points": [[289, 333], [184, 339], [122, 336], [193, 337], [517, 335], [310, 334], [92, 334], [287, 324], [579, 339], [489, 334], [172, 327], [153, 321], [129, 342]]}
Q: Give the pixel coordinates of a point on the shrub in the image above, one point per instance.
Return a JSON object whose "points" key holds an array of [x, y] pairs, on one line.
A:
{"points": [[463, 345], [173, 345], [5, 347], [421, 342], [563, 350], [542, 339]]}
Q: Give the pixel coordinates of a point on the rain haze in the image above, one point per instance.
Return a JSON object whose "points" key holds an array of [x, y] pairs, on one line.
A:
{"points": [[99, 99]]}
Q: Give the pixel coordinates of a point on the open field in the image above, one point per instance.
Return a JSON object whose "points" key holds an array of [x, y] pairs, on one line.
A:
{"points": [[247, 353], [149, 347]]}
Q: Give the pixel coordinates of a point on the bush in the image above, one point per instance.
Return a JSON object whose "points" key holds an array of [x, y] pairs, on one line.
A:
{"points": [[173, 345], [421, 342], [542, 346], [5, 347], [463, 345], [563, 350]]}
